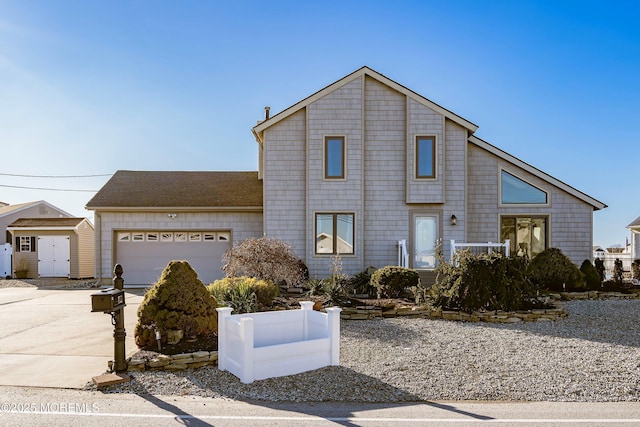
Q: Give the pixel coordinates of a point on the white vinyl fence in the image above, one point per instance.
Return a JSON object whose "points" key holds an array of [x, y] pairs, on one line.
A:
{"points": [[5, 260], [479, 248]]}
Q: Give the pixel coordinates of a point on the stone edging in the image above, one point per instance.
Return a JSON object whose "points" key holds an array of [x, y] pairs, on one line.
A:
{"points": [[177, 362], [370, 313], [373, 312]]}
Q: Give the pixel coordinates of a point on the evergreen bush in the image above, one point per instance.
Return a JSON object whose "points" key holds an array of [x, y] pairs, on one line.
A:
{"points": [[392, 281], [591, 276], [553, 270], [361, 283], [618, 270], [178, 300], [599, 265], [635, 269], [486, 281]]}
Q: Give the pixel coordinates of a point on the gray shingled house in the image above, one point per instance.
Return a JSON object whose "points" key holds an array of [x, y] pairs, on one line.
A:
{"points": [[352, 169]]}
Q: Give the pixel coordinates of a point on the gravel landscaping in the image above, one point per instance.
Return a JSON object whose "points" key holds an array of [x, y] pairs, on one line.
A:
{"points": [[592, 355]]}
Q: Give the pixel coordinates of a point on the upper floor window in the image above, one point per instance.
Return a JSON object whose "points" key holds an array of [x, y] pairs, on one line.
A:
{"points": [[334, 233], [334, 151], [516, 191], [425, 156]]}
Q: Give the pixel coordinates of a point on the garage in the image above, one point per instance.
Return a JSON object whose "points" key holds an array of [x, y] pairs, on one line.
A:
{"points": [[143, 254]]}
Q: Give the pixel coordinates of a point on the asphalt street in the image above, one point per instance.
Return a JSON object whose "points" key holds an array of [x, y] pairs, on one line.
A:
{"points": [[52, 407]]}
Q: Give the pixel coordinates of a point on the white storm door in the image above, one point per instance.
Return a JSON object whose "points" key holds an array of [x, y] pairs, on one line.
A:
{"points": [[424, 241], [53, 256]]}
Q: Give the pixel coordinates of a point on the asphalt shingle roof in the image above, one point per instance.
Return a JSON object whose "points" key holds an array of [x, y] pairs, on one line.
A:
{"points": [[153, 189], [635, 223], [46, 222]]}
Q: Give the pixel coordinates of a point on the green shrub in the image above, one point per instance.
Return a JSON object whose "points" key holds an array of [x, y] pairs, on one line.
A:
{"points": [[392, 281], [486, 281], [599, 265], [179, 300], [591, 276], [244, 294], [618, 270], [551, 269], [635, 269], [313, 287], [361, 283]]}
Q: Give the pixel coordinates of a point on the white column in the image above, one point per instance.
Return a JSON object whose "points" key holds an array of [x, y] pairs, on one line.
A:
{"points": [[246, 336], [333, 314], [223, 314]]}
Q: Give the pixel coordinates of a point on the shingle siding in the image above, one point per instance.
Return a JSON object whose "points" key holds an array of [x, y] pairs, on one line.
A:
{"points": [[570, 219], [386, 218], [285, 182]]}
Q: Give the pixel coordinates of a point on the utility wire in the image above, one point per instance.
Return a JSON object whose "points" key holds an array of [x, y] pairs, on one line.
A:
{"points": [[47, 189], [54, 176]]}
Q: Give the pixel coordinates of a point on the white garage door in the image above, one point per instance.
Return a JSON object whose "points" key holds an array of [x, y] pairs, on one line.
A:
{"points": [[144, 254], [53, 256]]}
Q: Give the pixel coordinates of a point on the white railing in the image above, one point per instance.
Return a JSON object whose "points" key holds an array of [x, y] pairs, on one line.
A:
{"points": [[403, 255], [478, 248], [256, 346]]}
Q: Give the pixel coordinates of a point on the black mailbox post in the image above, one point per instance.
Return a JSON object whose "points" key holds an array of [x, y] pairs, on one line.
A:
{"points": [[112, 301]]}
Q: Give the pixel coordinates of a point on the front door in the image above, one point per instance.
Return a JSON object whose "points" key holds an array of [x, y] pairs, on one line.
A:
{"points": [[424, 241], [53, 256]]}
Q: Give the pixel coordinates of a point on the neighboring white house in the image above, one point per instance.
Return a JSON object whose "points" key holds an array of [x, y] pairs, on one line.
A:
{"points": [[635, 238], [352, 170]]}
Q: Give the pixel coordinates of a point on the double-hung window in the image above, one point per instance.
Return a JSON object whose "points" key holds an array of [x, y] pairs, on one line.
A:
{"points": [[425, 156], [334, 157], [334, 233]]}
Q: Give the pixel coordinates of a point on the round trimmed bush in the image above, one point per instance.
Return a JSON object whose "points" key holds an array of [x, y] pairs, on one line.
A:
{"points": [[392, 281], [550, 269]]}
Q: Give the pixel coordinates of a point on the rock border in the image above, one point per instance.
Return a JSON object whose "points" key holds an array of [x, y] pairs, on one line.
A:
{"points": [[176, 362]]}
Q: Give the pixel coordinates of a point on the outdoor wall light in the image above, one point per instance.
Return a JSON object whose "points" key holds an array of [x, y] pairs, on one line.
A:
{"points": [[172, 216], [454, 220]]}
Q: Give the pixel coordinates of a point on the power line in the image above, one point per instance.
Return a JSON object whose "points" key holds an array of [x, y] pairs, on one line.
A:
{"points": [[47, 189], [55, 176]]}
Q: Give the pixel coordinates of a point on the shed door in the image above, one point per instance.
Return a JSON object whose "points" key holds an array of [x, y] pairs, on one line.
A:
{"points": [[53, 256]]}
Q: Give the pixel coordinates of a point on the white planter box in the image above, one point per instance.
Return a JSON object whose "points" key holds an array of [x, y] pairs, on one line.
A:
{"points": [[256, 346]]}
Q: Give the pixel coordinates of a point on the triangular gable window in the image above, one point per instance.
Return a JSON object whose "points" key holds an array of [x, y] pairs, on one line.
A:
{"points": [[516, 191]]}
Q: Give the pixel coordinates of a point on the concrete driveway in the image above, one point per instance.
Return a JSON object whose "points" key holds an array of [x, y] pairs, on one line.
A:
{"points": [[50, 337]]}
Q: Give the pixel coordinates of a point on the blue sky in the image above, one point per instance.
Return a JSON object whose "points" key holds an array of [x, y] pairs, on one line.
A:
{"points": [[90, 87]]}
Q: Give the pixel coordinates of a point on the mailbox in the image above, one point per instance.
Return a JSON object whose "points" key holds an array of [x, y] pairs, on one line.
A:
{"points": [[108, 300]]}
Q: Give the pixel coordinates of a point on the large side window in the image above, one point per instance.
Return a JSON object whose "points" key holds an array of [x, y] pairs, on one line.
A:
{"points": [[516, 191], [334, 233], [425, 156], [528, 235], [334, 157]]}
